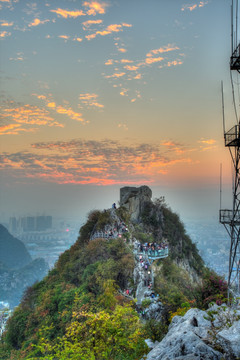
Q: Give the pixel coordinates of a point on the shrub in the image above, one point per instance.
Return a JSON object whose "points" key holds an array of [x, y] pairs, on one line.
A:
{"points": [[213, 289]]}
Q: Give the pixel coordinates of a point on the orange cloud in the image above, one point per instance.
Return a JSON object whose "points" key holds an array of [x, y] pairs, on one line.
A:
{"points": [[37, 22], [4, 34], [124, 92], [95, 7], [61, 109], [69, 112], [78, 39], [6, 128], [162, 50], [66, 14], [109, 62], [192, 7], [131, 68], [138, 76], [116, 75], [88, 23], [90, 100], [92, 162], [125, 61], [122, 50], [30, 115], [208, 142], [109, 30], [65, 37], [151, 60], [127, 25], [174, 63], [202, 3], [51, 105], [5, 23], [114, 28]]}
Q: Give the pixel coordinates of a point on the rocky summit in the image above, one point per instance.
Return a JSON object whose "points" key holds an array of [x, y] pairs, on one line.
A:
{"points": [[132, 275]]}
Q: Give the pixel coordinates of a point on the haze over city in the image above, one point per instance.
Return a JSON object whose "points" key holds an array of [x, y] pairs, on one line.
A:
{"points": [[101, 95]]}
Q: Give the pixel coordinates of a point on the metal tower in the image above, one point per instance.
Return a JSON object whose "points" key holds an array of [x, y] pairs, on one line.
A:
{"points": [[231, 218]]}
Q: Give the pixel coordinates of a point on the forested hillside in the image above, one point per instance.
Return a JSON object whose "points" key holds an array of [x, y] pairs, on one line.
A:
{"points": [[87, 306]]}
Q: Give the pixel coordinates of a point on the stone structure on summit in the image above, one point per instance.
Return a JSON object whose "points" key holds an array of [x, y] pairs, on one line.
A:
{"points": [[133, 199]]}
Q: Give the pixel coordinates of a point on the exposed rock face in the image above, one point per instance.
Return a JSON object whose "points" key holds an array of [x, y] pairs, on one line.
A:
{"points": [[188, 338], [230, 340], [134, 198]]}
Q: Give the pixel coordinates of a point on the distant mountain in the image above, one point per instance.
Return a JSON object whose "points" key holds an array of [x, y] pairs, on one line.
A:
{"points": [[13, 283], [17, 269], [13, 253]]}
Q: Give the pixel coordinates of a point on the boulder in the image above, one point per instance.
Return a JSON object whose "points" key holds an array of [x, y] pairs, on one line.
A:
{"points": [[154, 311], [229, 340]]}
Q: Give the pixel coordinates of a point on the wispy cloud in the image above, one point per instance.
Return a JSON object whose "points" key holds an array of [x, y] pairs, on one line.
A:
{"points": [[37, 22], [152, 60], [162, 50], [65, 37], [194, 6], [115, 75], [78, 39], [87, 24], [112, 28], [123, 126], [207, 141], [6, 23], [95, 7], [207, 144], [19, 57], [109, 62], [131, 68], [92, 162], [90, 100], [59, 109], [8, 129], [68, 14], [122, 50], [4, 34], [175, 147], [28, 115]]}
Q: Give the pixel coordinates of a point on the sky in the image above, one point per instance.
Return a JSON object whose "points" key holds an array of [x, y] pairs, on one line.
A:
{"points": [[97, 95]]}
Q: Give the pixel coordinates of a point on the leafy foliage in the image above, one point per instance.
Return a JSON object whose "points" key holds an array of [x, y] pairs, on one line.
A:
{"points": [[101, 335], [77, 312], [212, 289]]}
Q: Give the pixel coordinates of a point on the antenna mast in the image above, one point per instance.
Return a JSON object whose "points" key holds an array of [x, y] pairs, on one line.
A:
{"points": [[231, 218]]}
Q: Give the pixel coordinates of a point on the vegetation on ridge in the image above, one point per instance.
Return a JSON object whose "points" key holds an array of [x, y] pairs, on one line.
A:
{"points": [[79, 312]]}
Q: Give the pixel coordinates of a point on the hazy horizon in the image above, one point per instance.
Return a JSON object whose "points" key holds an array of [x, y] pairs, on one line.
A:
{"points": [[98, 95]]}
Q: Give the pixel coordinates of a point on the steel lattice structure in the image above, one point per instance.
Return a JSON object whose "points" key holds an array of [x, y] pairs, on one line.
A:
{"points": [[231, 218]]}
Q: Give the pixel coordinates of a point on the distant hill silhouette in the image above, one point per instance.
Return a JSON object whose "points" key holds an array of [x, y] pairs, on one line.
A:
{"points": [[13, 253]]}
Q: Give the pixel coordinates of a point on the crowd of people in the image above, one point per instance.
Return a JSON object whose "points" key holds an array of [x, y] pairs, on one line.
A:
{"points": [[153, 249]]}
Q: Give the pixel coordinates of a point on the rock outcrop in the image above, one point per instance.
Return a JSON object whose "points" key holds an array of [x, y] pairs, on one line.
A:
{"points": [[191, 337], [133, 199]]}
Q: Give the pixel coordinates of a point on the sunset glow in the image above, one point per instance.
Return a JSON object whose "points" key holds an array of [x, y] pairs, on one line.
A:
{"points": [[113, 93]]}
